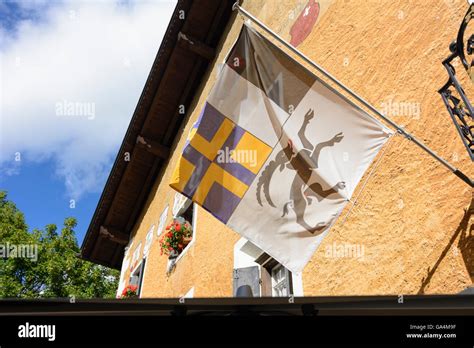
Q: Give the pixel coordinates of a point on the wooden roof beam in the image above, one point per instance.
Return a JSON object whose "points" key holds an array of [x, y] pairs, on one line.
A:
{"points": [[153, 147], [201, 49], [114, 235]]}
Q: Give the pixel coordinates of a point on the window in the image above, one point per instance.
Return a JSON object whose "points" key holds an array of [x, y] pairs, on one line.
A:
{"points": [[184, 208], [137, 277], [181, 203], [189, 214], [276, 279], [281, 281], [262, 273]]}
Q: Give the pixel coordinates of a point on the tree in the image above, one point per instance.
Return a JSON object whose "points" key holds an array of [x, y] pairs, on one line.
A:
{"points": [[54, 270]]}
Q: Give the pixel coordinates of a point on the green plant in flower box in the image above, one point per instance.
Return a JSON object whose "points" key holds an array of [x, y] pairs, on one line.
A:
{"points": [[177, 235], [130, 291]]}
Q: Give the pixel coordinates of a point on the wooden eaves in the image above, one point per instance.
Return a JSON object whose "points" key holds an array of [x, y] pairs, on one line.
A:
{"points": [[188, 46]]}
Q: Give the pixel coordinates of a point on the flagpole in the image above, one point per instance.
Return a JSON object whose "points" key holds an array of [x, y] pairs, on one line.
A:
{"points": [[400, 129]]}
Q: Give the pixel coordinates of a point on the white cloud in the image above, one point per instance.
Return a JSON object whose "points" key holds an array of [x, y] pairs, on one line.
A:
{"points": [[97, 54]]}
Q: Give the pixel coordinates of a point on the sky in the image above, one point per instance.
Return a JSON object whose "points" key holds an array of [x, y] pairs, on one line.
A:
{"points": [[71, 74]]}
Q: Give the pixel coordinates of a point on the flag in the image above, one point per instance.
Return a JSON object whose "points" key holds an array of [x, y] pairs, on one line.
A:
{"points": [[276, 154]]}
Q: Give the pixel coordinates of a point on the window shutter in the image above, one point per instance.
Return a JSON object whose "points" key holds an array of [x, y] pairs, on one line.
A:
{"points": [[247, 276], [181, 203]]}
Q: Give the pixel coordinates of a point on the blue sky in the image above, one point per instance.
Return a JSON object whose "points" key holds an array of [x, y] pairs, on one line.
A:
{"points": [[13, 13], [71, 76], [42, 197]]}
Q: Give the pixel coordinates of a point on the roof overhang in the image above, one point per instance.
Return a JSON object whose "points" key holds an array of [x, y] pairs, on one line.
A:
{"points": [[188, 47]]}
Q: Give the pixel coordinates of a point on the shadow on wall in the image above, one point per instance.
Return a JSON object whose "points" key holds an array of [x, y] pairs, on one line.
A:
{"points": [[465, 244]]}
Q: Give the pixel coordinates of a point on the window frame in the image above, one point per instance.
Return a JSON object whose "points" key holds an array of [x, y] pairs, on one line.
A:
{"points": [[162, 221], [246, 257], [127, 260], [136, 256], [193, 224], [268, 264], [141, 266], [287, 280]]}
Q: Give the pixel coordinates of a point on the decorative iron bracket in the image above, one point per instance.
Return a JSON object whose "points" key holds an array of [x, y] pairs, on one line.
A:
{"points": [[454, 97]]}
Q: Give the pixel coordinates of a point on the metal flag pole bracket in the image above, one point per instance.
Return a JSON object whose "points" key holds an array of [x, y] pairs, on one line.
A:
{"points": [[454, 97], [361, 100]]}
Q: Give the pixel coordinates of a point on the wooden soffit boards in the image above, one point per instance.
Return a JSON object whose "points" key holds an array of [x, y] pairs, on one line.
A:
{"points": [[175, 73]]}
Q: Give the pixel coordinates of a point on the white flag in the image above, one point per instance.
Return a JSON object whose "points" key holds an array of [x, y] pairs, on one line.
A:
{"points": [[276, 154]]}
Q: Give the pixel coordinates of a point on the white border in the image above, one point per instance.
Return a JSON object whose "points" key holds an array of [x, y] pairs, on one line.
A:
{"points": [[162, 223], [148, 243], [190, 293], [143, 277]]}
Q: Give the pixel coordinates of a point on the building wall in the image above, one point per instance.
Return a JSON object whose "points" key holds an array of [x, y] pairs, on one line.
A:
{"points": [[412, 224]]}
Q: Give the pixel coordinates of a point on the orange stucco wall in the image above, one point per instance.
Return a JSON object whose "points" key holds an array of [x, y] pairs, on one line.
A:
{"points": [[412, 220]]}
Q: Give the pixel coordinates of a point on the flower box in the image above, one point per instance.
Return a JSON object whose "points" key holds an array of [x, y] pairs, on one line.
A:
{"points": [[130, 291], [177, 235]]}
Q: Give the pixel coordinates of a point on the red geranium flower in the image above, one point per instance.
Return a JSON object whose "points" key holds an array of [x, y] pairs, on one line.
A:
{"points": [[129, 290]]}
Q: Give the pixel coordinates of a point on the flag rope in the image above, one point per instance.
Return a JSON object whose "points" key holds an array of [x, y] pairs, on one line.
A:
{"points": [[361, 100]]}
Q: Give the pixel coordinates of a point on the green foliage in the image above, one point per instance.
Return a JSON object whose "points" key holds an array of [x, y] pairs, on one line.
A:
{"points": [[176, 236], [57, 270]]}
